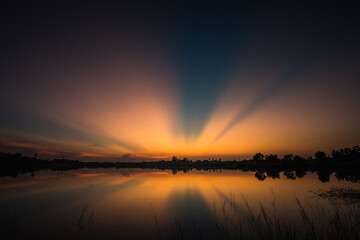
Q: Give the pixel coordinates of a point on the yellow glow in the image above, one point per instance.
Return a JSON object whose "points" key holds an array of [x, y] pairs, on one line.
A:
{"points": [[134, 109]]}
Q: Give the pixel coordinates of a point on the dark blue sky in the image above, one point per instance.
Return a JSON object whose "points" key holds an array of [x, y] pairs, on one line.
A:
{"points": [[208, 46]]}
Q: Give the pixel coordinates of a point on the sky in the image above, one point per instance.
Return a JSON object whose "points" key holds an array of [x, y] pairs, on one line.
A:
{"points": [[149, 81]]}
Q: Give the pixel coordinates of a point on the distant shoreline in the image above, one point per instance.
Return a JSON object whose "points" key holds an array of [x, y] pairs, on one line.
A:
{"points": [[345, 163]]}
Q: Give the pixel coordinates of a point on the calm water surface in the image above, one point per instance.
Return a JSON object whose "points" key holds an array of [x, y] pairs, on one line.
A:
{"points": [[142, 204]]}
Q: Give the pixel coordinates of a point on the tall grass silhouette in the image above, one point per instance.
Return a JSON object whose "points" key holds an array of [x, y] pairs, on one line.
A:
{"points": [[238, 218], [305, 221]]}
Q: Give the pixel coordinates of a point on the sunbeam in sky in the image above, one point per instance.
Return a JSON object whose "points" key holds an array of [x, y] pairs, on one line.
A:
{"points": [[135, 82]]}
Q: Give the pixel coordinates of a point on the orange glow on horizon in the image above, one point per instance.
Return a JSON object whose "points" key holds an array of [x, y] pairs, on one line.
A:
{"points": [[147, 173], [84, 175], [138, 114], [91, 155], [147, 156], [19, 144]]}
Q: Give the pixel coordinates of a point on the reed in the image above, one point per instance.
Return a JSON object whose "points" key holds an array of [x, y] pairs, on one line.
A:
{"points": [[306, 221]]}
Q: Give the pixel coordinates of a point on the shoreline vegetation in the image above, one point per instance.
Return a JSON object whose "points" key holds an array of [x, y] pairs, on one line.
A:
{"points": [[233, 219], [306, 221], [344, 163]]}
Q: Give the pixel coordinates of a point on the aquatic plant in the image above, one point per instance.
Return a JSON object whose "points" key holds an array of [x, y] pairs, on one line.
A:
{"points": [[306, 221]]}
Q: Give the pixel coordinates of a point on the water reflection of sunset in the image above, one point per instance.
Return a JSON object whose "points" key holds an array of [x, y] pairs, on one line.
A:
{"points": [[127, 198], [162, 120]]}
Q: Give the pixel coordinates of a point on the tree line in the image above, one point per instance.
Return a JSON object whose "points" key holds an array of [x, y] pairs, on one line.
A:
{"points": [[343, 163]]}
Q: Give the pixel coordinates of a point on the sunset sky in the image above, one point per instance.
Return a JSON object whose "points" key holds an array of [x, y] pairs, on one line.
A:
{"points": [[150, 81]]}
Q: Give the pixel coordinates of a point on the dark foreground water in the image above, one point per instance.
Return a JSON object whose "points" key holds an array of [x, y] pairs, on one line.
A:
{"points": [[144, 204]]}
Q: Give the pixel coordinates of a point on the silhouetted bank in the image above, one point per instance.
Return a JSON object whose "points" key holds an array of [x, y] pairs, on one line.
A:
{"points": [[344, 163]]}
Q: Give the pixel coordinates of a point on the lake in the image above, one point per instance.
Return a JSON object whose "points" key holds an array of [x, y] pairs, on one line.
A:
{"points": [[154, 204]]}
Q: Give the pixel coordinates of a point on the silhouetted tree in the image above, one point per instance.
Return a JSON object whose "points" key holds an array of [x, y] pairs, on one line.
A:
{"points": [[346, 154], [186, 159], [288, 157], [289, 175], [15, 164], [258, 156], [260, 175], [300, 173], [324, 175], [271, 157], [298, 159], [273, 173], [320, 156]]}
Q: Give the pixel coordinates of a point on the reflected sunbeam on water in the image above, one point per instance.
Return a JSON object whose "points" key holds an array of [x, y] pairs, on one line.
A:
{"points": [[193, 215], [145, 204]]}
